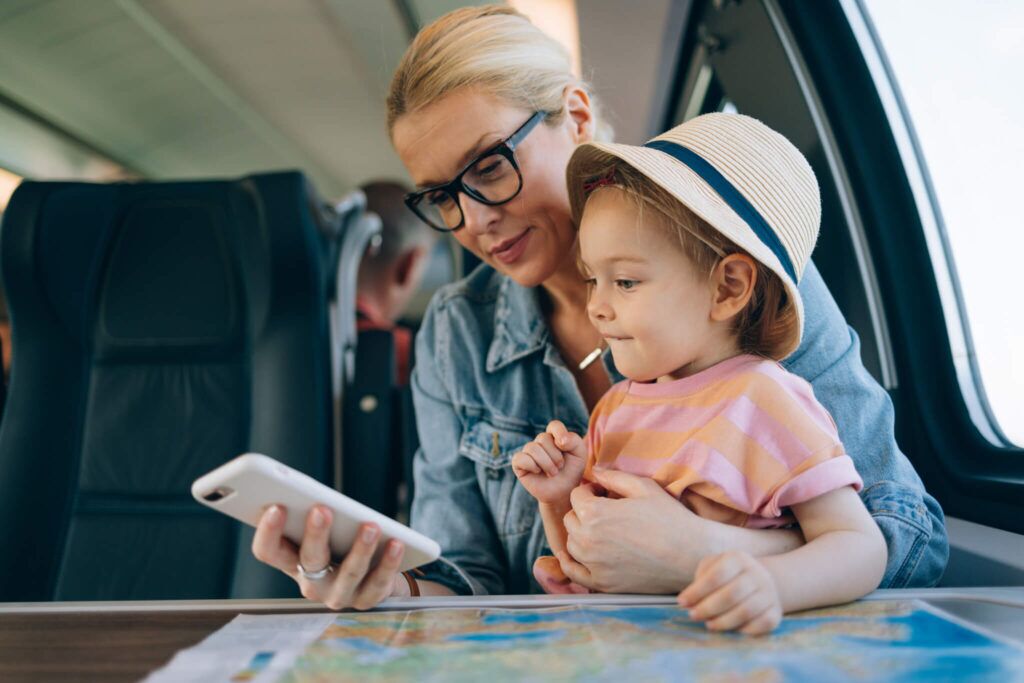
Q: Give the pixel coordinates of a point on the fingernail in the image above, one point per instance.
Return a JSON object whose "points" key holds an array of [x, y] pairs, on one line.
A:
{"points": [[395, 549], [273, 513], [369, 534], [318, 518]]}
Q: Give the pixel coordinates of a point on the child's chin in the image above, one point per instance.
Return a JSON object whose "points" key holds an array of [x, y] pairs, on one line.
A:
{"points": [[638, 375], [636, 372]]}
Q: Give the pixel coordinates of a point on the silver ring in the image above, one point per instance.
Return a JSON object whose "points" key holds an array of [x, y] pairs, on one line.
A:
{"points": [[317, 575]]}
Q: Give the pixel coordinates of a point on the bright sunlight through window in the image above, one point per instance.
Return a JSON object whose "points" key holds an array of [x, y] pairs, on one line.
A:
{"points": [[959, 67]]}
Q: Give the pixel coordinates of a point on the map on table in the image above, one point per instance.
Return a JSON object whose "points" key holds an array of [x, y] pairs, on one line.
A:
{"points": [[871, 640]]}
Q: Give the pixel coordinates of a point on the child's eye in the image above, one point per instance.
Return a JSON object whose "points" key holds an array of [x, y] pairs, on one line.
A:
{"points": [[626, 285]]}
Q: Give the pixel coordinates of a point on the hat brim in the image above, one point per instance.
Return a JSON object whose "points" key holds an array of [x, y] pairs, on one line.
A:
{"points": [[686, 186]]}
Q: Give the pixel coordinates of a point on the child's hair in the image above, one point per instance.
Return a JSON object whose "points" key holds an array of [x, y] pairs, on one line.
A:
{"points": [[768, 326]]}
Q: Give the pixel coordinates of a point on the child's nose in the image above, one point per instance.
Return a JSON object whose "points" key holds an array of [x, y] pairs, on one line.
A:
{"points": [[598, 309]]}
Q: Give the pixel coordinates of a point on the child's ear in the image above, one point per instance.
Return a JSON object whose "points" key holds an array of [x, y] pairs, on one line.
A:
{"points": [[732, 285]]}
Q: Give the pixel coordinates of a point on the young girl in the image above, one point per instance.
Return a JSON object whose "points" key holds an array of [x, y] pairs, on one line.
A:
{"points": [[692, 246]]}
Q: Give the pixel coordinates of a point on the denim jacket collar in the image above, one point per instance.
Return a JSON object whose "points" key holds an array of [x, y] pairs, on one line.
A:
{"points": [[520, 326]]}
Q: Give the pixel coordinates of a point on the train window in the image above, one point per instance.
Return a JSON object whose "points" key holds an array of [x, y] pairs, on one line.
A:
{"points": [[964, 119]]}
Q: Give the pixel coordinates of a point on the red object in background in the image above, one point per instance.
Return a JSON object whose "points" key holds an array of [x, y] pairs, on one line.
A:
{"points": [[368, 318]]}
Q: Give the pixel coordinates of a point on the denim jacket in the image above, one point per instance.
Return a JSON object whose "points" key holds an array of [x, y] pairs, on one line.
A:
{"points": [[488, 379]]}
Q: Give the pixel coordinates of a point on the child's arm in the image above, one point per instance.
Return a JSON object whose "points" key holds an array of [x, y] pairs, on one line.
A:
{"points": [[549, 468], [552, 515], [844, 559]]}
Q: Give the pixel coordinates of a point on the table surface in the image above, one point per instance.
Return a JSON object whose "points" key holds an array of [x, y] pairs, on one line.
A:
{"points": [[123, 641]]}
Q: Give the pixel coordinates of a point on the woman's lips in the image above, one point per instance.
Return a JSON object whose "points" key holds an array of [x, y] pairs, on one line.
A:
{"points": [[510, 251]]}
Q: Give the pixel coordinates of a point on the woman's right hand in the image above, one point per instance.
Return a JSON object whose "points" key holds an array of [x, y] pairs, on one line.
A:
{"points": [[643, 540], [353, 583]]}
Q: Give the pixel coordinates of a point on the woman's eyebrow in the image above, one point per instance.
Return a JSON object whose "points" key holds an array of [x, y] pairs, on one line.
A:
{"points": [[485, 141]]}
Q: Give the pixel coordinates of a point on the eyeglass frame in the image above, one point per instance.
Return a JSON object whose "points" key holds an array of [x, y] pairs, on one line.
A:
{"points": [[506, 148]]}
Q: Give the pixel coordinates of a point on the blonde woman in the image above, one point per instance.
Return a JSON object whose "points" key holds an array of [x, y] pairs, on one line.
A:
{"points": [[485, 112]]}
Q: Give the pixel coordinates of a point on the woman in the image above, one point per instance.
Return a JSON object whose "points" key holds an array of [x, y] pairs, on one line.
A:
{"points": [[484, 113]]}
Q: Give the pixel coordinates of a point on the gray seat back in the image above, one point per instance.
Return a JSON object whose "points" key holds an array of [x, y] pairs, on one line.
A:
{"points": [[159, 329]]}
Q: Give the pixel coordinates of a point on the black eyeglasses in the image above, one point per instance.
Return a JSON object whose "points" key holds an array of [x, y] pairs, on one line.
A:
{"points": [[492, 178]]}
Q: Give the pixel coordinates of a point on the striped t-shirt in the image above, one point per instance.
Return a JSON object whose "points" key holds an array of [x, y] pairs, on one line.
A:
{"points": [[737, 443]]}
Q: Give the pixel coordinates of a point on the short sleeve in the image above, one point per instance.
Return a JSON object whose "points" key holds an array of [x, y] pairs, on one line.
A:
{"points": [[831, 473], [790, 427]]}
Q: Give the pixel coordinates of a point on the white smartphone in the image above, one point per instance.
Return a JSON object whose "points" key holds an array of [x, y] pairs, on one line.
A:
{"points": [[244, 487]]}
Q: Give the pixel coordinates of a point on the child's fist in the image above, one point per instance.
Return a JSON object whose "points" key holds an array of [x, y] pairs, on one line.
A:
{"points": [[733, 592], [566, 441], [548, 472]]}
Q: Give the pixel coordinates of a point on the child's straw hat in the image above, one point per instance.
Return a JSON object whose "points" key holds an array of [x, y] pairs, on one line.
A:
{"points": [[744, 179]]}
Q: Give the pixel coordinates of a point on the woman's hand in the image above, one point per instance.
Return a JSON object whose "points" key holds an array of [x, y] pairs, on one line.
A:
{"points": [[353, 583], [550, 466], [644, 541], [733, 592]]}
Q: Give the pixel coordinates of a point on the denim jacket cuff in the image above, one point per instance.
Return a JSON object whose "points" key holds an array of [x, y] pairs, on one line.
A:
{"points": [[915, 536], [449, 574]]}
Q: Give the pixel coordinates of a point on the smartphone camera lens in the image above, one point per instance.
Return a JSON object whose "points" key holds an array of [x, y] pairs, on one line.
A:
{"points": [[217, 494]]}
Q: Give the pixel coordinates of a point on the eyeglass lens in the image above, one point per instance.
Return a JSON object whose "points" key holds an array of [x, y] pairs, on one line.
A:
{"points": [[493, 178]]}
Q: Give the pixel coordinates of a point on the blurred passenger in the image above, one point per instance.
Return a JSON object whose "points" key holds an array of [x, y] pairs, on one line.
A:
{"points": [[390, 273]]}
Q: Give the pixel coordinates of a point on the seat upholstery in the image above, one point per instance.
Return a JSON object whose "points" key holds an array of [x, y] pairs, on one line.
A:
{"points": [[159, 330]]}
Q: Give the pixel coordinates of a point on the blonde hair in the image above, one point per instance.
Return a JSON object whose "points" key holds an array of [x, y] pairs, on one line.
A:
{"points": [[491, 47], [768, 325]]}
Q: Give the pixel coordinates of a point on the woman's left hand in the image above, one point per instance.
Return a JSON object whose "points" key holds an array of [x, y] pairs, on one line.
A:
{"points": [[644, 541]]}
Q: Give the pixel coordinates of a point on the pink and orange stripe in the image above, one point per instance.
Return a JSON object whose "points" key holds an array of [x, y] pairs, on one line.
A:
{"points": [[738, 443]]}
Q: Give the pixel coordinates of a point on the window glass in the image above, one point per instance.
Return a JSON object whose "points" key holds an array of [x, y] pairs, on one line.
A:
{"points": [[957, 66]]}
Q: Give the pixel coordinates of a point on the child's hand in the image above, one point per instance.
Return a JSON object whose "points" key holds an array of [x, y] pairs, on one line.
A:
{"points": [[733, 592], [551, 466]]}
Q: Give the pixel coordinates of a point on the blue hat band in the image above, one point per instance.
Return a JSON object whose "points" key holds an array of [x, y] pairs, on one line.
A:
{"points": [[728, 192]]}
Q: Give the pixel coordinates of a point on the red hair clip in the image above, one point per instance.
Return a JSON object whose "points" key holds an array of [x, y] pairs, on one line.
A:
{"points": [[594, 183]]}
